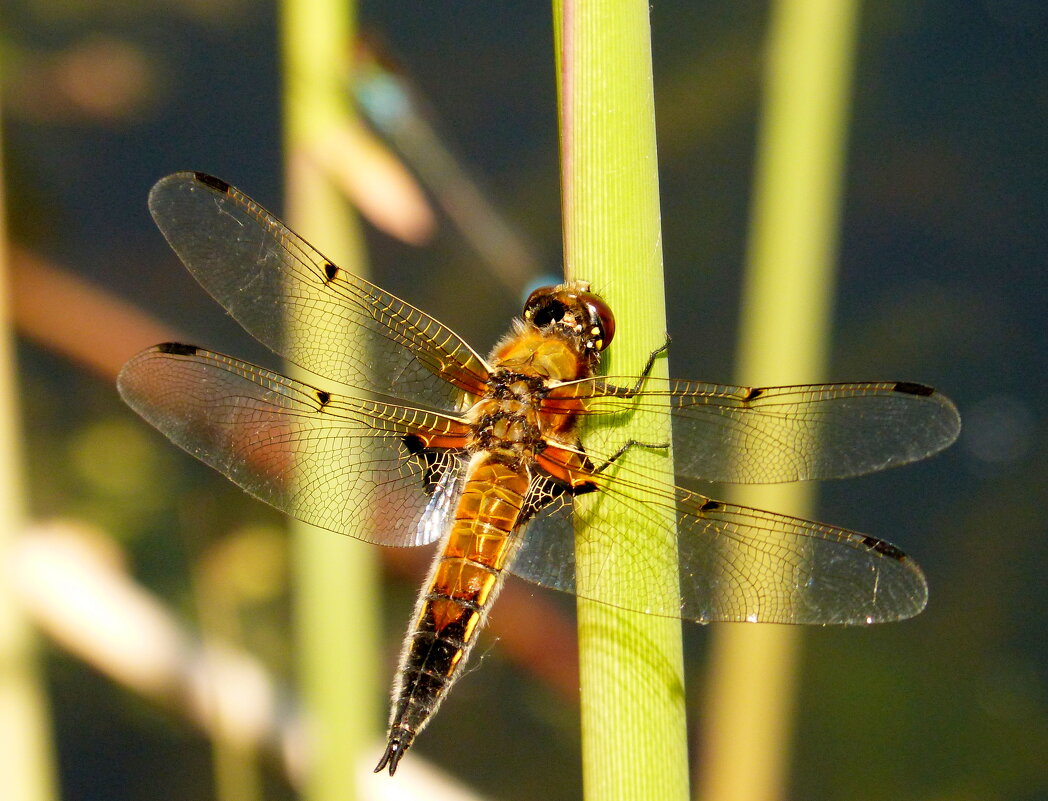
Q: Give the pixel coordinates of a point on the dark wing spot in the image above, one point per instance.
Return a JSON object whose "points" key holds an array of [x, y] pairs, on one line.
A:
{"points": [[544, 491], [414, 443], [430, 462], [711, 506], [177, 348], [753, 394], [211, 181], [909, 388], [330, 271], [323, 397], [884, 548]]}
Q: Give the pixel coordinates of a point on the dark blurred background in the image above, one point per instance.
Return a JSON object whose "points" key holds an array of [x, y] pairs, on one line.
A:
{"points": [[941, 280]]}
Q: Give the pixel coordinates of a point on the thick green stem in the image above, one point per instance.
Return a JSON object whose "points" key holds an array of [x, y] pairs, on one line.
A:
{"points": [[633, 727]]}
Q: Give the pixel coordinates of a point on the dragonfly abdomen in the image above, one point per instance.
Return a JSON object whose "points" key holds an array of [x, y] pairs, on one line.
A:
{"points": [[462, 585]]}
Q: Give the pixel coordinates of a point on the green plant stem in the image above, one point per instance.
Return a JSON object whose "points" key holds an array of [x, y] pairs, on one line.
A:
{"points": [[634, 739], [786, 317], [335, 579], [26, 761]]}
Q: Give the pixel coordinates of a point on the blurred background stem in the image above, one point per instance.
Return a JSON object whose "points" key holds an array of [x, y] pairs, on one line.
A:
{"points": [[634, 738], [784, 339], [335, 579], [26, 761]]}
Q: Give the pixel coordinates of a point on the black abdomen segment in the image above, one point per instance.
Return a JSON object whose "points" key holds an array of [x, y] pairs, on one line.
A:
{"points": [[432, 661]]}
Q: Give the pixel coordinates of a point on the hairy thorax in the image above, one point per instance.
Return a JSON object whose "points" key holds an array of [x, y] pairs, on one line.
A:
{"points": [[507, 421]]}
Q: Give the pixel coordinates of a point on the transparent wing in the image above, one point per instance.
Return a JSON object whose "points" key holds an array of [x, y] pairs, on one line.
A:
{"points": [[356, 467], [775, 434], [272, 281], [735, 563]]}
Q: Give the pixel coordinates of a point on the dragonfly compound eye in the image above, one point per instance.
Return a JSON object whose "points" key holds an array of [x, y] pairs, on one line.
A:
{"points": [[601, 320], [544, 307]]}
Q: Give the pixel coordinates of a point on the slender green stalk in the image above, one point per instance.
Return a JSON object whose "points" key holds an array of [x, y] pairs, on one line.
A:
{"points": [[26, 762], [786, 318], [335, 578], [234, 765], [634, 738]]}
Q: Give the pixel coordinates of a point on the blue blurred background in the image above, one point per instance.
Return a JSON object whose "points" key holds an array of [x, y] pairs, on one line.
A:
{"points": [[942, 279]]}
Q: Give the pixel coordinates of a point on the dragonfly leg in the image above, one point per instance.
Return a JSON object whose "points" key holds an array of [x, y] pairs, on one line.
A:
{"points": [[625, 447], [663, 348], [627, 392]]}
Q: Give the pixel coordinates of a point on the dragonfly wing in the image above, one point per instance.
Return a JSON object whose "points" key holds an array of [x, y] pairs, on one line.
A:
{"points": [[774, 434], [357, 467], [272, 281], [735, 563]]}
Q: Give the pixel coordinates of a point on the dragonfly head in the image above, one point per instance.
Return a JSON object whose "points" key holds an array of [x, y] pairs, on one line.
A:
{"points": [[574, 312]]}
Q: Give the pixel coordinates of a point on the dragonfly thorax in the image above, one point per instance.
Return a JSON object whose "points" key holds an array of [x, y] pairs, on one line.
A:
{"points": [[506, 422]]}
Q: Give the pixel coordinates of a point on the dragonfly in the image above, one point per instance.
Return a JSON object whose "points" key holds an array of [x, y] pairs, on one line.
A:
{"points": [[408, 436]]}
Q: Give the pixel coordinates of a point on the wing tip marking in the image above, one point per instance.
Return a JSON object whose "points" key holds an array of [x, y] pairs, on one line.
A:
{"points": [[912, 388], [884, 548], [177, 349], [212, 182]]}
